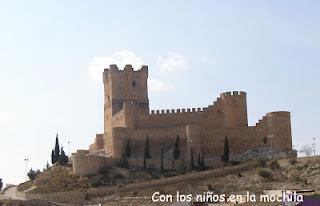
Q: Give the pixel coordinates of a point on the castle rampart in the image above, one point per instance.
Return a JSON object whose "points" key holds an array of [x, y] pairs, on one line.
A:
{"points": [[127, 118]]}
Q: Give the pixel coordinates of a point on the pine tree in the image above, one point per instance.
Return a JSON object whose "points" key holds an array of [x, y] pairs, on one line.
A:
{"points": [[226, 150], [128, 149], [176, 150], [147, 154], [63, 158]]}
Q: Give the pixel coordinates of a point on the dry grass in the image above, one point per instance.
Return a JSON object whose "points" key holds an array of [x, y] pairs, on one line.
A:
{"points": [[55, 179]]}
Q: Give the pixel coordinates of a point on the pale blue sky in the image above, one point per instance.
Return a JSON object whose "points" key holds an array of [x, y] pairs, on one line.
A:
{"points": [[195, 50]]}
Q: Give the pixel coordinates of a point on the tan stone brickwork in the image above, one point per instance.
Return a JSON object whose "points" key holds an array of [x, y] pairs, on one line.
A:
{"points": [[127, 117]]}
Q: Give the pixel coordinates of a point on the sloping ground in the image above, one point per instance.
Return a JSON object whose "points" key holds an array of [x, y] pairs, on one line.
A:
{"points": [[25, 203], [293, 174], [298, 174], [290, 174], [55, 179], [61, 179]]}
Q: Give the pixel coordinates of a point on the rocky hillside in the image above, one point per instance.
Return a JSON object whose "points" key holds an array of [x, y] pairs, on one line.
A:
{"points": [[289, 174], [61, 179]]}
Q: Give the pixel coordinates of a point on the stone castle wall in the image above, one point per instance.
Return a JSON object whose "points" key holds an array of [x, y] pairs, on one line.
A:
{"points": [[127, 117]]}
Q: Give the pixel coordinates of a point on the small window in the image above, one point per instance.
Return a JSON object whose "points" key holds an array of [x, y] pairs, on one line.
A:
{"points": [[133, 83]]}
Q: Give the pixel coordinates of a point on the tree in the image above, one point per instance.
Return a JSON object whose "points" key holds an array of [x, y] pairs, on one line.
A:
{"points": [[202, 161], [1, 184], [123, 162], [33, 174], [226, 150], [307, 150], [53, 157], [144, 163], [176, 150], [128, 149], [63, 158], [199, 160], [191, 158], [55, 154], [161, 161], [147, 154]]}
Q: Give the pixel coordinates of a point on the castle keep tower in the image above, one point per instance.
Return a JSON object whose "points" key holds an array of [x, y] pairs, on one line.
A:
{"points": [[124, 89]]}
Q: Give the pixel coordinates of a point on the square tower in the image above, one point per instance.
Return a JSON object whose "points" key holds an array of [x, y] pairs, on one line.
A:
{"points": [[122, 86]]}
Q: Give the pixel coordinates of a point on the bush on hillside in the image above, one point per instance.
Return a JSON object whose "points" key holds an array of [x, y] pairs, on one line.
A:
{"points": [[263, 162], [266, 173], [33, 174], [275, 165]]}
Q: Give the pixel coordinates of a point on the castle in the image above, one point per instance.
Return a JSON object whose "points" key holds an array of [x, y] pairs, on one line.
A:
{"points": [[202, 131]]}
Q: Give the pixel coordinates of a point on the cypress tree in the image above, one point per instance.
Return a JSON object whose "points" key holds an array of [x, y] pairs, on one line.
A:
{"points": [[226, 150], [199, 161], [161, 161], [53, 157], [1, 184], [176, 150], [57, 149], [202, 161], [191, 158], [144, 163], [147, 154], [128, 149]]}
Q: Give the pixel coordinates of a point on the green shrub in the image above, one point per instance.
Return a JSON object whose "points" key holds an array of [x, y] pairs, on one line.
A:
{"points": [[266, 174], [103, 171], [235, 162], [95, 183], [118, 175], [33, 174], [123, 162], [275, 165], [263, 162]]}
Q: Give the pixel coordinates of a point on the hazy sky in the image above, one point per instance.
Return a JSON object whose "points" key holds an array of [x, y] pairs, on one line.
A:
{"points": [[52, 52]]}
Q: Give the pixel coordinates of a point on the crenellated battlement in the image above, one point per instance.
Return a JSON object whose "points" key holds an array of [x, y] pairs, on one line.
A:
{"points": [[217, 102], [177, 111], [234, 93], [127, 67], [269, 115]]}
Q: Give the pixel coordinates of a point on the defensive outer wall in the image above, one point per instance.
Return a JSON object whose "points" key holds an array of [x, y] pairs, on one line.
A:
{"points": [[202, 131]]}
